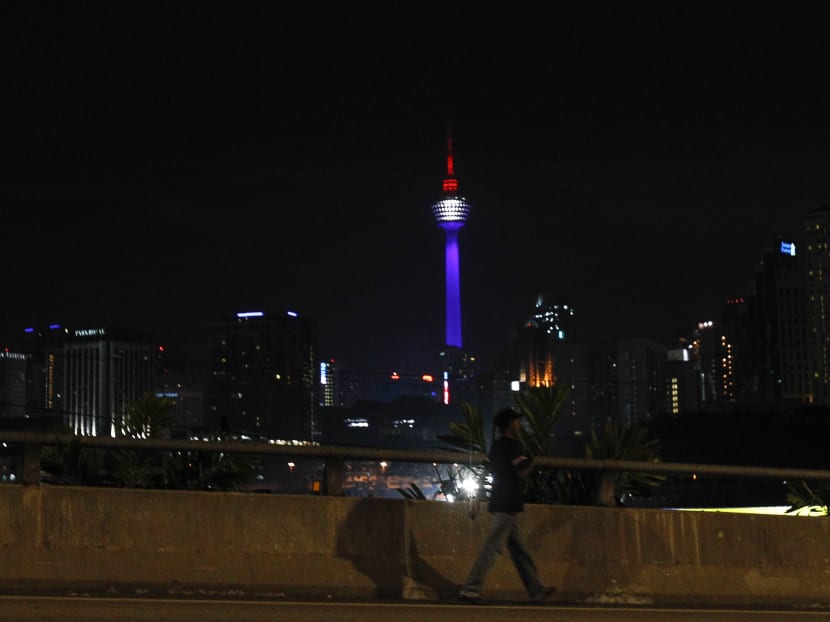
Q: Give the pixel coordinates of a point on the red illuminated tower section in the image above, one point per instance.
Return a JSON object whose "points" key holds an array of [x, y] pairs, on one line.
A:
{"points": [[450, 212]]}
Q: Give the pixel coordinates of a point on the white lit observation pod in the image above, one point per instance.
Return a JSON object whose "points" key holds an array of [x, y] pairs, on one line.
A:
{"points": [[451, 209]]}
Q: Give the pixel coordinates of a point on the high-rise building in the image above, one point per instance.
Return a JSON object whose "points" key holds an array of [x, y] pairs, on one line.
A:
{"points": [[621, 381], [702, 348], [816, 257], [13, 383], [641, 369], [772, 341], [590, 370], [532, 358], [263, 379], [737, 348], [330, 394], [89, 376], [179, 381], [682, 381], [787, 354], [554, 318]]}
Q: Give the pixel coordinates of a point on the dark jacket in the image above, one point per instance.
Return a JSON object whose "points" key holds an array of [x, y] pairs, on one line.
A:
{"points": [[506, 460]]}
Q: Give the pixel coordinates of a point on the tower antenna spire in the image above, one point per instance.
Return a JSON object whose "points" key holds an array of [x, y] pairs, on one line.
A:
{"points": [[450, 184], [450, 168]]}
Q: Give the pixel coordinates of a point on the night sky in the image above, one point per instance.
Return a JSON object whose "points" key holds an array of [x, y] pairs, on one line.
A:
{"points": [[172, 163]]}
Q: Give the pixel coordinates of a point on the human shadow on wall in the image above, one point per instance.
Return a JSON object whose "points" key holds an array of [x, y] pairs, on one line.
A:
{"points": [[373, 536], [422, 581]]}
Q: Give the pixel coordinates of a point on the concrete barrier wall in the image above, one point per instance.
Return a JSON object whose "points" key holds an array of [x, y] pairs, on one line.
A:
{"points": [[76, 540]]}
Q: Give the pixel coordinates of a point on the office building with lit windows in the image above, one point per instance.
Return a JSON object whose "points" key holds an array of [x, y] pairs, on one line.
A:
{"points": [[179, 381], [736, 349], [783, 337], [641, 373], [621, 381], [14, 375], [88, 376], [330, 394], [816, 258], [263, 376], [533, 354]]}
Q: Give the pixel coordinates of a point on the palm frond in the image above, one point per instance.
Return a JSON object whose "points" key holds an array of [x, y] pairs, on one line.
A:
{"points": [[634, 443], [801, 495], [541, 408], [469, 434], [413, 492]]}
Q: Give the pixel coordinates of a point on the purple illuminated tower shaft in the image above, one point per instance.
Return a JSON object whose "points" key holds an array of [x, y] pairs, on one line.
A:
{"points": [[453, 296], [450, 213]]}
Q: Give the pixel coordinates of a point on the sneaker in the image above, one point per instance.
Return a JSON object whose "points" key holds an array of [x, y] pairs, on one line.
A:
{"points": [[544, 595], [471, 598]]}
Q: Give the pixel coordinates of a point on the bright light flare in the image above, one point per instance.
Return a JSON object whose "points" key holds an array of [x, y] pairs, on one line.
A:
{"points": [[470, 486]]}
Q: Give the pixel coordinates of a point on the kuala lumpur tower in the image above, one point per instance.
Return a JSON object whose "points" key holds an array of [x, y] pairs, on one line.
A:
{"points": [[450, 212]]}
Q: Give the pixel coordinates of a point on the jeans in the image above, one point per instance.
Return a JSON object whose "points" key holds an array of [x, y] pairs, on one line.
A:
{"points": [[504, 530]]}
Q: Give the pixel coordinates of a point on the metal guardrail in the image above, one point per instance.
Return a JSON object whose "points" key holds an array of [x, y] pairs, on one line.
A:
{"points": [[335, 455]]}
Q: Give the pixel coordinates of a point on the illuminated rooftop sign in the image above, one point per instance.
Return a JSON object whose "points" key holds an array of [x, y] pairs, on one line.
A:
{"points": [[250, 314], [788, 248], [90, 332]]}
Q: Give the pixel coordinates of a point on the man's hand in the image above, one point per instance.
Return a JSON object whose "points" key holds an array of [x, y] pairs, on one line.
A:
{"points": [[522, 465]]}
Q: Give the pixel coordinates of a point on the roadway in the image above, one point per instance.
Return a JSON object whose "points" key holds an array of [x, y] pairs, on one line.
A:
{"points": [[97, 609]]}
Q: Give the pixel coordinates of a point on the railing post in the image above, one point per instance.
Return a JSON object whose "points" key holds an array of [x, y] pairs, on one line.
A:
{"points": [[607, 489], [333, 477], [31, 463]]}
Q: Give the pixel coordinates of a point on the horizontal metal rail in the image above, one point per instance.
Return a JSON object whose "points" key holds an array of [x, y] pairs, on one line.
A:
{"points": [[335, 455]]}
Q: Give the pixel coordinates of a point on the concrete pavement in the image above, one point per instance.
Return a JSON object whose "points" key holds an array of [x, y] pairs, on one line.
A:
{"points": [[22, 608]]}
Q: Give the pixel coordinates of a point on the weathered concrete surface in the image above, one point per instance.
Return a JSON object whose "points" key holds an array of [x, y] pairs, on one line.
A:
{"points": [[67, 539]]}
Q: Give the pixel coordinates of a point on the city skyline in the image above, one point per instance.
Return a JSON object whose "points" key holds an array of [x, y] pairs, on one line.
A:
{"points": [[635, 163]]}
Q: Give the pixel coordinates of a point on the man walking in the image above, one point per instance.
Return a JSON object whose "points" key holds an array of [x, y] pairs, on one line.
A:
{"points": [[509, 466]]}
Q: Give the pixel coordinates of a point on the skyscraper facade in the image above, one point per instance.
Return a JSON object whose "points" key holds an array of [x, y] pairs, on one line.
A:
{"points": [[555, 318], [641, 372], [329, 384], [183, 383], [736, 332], [14, 375], [816, 256], [264, 376], [533, 354], [89, 376], [784, 337], [621, 381]]}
